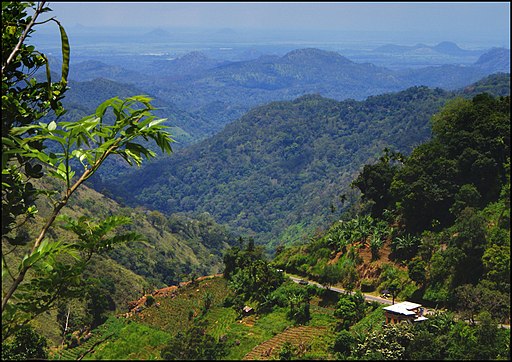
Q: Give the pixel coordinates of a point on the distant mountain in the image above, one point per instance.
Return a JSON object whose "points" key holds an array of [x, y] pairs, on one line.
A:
{"points": [[92, 69], [157, 34], [245, 84], [178, 68], [450, 48], [445, 47], [242, 85], [495, 60], [215, 92], [455, 76], [394, 48]]}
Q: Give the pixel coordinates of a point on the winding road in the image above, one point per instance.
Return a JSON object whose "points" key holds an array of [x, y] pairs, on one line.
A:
{"points": [[368, 297]]}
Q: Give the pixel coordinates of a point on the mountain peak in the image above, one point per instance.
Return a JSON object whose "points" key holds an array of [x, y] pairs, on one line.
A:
{"points": [[309, 54], [447, 46], [495, 60], [158, 33]]}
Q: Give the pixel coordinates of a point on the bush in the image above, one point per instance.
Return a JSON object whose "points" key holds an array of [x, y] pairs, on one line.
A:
{"points": [[367, 285], [25, 344], [150, 300]]}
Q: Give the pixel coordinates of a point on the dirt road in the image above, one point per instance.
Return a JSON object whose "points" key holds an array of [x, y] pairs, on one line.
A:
{"points": [[368, 297]]}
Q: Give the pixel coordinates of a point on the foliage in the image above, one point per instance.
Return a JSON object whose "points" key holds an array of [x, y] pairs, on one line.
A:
{"points": [[24, 101], [374, 181], [483, 297], [417, 270], [276, 178], [389, 343], [25, 344], [249, 275], [31, 148], [465, 158], [350, 309], [286, 352], [193, 344], [343, 343], [330, 275], [441, 338]]}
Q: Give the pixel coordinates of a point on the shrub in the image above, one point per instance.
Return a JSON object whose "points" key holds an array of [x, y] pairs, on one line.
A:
{"points": [[367, 285]]}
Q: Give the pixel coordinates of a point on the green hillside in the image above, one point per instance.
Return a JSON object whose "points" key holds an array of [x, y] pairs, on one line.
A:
{"points": [[282, 236], [278, 169], [170, 250], [434, 226], [86, 96]]}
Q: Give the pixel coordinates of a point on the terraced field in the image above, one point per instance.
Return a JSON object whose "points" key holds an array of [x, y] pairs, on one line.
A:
{"points": [[101, 334], [300, 337]]}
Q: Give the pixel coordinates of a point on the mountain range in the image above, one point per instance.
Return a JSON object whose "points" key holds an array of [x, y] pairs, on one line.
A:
{"points": [[211, 93], [445, 47], [278, 168]]}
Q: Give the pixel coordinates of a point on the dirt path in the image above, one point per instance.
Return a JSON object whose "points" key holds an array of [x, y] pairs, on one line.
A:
{"points": [[368, 297]]}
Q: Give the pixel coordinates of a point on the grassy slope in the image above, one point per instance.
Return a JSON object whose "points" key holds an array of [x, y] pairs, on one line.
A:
{"points": [[188, 255], [143, 335]]}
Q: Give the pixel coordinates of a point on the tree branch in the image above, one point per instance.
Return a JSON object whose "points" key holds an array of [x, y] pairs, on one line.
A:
{"points": [[23, 36], [69, 191]]}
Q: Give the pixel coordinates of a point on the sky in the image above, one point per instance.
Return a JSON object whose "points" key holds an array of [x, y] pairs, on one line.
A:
{"points": [[489, 21]]}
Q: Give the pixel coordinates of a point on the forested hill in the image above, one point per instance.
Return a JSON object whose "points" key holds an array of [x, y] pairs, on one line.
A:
{"points": [[200, 95], [281, 166], [82, 98], [225, 92], [167, 251]]}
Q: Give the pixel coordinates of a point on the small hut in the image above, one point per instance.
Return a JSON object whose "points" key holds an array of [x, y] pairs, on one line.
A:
{"points": [[404, 311]]}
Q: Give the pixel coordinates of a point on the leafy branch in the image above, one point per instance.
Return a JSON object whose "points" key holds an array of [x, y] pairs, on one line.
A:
{"points": [[91, 141]]}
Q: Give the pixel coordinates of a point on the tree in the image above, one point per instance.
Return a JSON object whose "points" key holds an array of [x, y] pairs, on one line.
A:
{"points": [[26, 344], [394, 287], [24, 101], [389, 343], [330, 275], [463, 165], [194, 344], [99, 300], [374, 181], [350, 309], [491, 341], [417, 269], [298, 302], [70, 152], [467, 196], [287, 351], [469, 235], [343, 343]]}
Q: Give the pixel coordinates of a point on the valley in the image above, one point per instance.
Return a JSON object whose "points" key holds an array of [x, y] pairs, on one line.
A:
{"points": [[237, 194]]}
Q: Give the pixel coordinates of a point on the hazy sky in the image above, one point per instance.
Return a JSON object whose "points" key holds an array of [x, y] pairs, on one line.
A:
{"points": [[468, 20]]}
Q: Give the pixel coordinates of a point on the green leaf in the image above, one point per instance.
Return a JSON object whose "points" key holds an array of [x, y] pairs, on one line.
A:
{"points": [[65, 54], [48, 76], [100, 110]]}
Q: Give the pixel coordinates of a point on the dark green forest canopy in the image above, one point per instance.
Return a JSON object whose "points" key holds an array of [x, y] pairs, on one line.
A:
{"points": [[444, 209], [285, 163], [464, 164]]}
